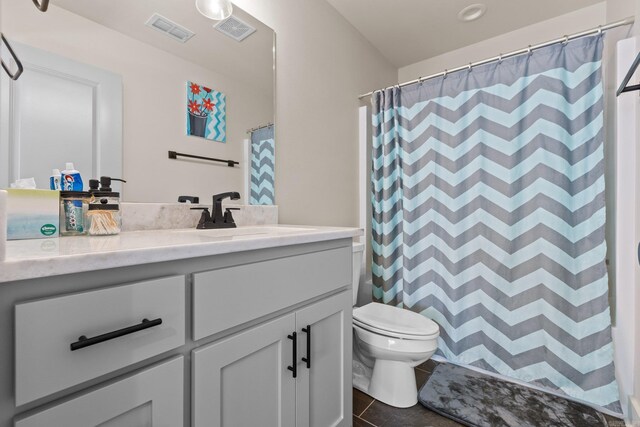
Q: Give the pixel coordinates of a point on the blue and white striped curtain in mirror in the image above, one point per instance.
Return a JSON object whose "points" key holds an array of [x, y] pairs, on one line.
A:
{"points": [[489, 216], [262, 167]]}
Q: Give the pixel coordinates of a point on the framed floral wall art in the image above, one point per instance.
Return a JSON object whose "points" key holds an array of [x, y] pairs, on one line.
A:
{"points": [[206, 113]]}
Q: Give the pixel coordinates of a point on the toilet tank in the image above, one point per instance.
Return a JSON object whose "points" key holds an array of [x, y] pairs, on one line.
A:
{"points": [[358, 253]]}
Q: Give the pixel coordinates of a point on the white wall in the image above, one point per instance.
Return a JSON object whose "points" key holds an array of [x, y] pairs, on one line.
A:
{"points": [[579, 20], [323, 64], [634, 6], [626, 340], [620, 127], [154, 103], [624, 333]]}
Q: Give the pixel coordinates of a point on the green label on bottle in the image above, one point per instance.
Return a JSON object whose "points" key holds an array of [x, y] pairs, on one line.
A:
{"points": [[48, 229]]}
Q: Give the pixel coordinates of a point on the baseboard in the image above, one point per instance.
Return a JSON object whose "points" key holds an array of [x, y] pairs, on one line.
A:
{"points": [[634, 412]]}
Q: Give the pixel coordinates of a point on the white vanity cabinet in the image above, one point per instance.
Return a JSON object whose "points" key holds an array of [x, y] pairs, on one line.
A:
{"points": [[234, 328], [258, 377]]}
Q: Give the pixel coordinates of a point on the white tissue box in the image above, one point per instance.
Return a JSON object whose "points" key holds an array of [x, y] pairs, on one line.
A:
{"points": [[32, 214]]}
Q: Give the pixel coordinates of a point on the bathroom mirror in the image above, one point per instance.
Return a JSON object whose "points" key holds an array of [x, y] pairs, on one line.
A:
{"points": [[114, 86]]}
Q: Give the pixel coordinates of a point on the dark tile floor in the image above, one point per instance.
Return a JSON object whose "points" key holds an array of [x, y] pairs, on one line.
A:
{"points": [[368, 412]]}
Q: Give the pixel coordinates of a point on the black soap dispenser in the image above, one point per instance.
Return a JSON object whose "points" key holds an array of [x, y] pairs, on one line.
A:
{"points": [[104, 208]]}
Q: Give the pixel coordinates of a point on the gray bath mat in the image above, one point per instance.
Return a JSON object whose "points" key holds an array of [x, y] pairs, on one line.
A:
{"points": [[478, 400]]}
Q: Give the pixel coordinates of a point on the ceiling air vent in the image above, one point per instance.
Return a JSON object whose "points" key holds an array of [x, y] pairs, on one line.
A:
{"points": [[169, 28], [235, 28]]}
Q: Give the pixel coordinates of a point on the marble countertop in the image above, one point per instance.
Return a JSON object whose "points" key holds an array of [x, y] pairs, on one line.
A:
{"points": [[29, 259]]}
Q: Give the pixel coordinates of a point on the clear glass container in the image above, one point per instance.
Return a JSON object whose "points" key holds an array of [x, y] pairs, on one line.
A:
{"points": [[104, 214], [73, 212]]}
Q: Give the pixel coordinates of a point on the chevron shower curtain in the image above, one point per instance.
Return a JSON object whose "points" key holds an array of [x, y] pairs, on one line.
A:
{"points": [[262, 167], [489, 216]]}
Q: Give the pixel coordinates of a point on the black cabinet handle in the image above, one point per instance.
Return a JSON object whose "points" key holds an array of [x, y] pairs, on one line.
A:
{"points": [[15, 58], [307, 359], [83, 341], [42, 6], [294, 337]]}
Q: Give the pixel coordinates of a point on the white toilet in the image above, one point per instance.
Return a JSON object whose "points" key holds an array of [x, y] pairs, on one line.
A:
{"points": [[388, 343]]}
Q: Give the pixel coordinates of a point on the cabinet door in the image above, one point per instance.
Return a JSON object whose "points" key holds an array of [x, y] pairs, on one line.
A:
{"points": [[323, 395], [151, 398], [243, 381]]}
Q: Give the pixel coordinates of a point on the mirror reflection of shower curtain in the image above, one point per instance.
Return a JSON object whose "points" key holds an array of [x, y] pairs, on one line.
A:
{"points": [[262, 158], [489, 216]]}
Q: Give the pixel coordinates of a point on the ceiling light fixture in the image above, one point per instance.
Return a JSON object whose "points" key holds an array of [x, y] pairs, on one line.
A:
{"points": [[215, 9], [472, 12]]}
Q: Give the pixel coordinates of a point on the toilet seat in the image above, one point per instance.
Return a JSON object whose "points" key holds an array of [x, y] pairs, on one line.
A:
{"points": [[390, 334], [395, 322]]}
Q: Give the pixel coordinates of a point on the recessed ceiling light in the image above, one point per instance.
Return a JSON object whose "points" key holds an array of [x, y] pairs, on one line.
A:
{"points": [[473, 12]]}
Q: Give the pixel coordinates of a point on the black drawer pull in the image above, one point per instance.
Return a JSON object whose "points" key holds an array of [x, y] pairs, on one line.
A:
{"points": [[294, 337], [307, 359], [83, 341], [42, 6]]}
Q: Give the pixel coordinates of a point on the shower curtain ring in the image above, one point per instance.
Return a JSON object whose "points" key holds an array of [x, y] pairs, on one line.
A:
{"points": [[566, 39], [529, 51], [499, 58], [444, 76], [470, 65], [599, 30], [420, 81]]}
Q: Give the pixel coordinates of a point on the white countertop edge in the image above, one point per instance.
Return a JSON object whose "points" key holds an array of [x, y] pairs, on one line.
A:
{"points": [[38, 267]]}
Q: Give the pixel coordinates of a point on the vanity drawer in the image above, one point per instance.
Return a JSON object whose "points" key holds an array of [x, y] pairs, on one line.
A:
{"points": [[151, 397], [232, 296], [45, 330]]}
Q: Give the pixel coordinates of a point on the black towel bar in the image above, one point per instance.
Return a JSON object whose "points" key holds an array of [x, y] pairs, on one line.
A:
{"points": [[175, 155]]}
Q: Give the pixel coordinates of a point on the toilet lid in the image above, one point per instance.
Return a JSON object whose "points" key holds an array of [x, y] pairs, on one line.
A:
{"points": [[395, 320]]}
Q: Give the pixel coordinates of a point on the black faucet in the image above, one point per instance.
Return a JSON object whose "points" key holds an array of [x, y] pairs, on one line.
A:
{"points": [[217, 216], [218, 219]]}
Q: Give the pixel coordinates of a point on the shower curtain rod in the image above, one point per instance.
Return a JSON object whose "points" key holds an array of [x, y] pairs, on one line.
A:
{"points": [[627, 21]]}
